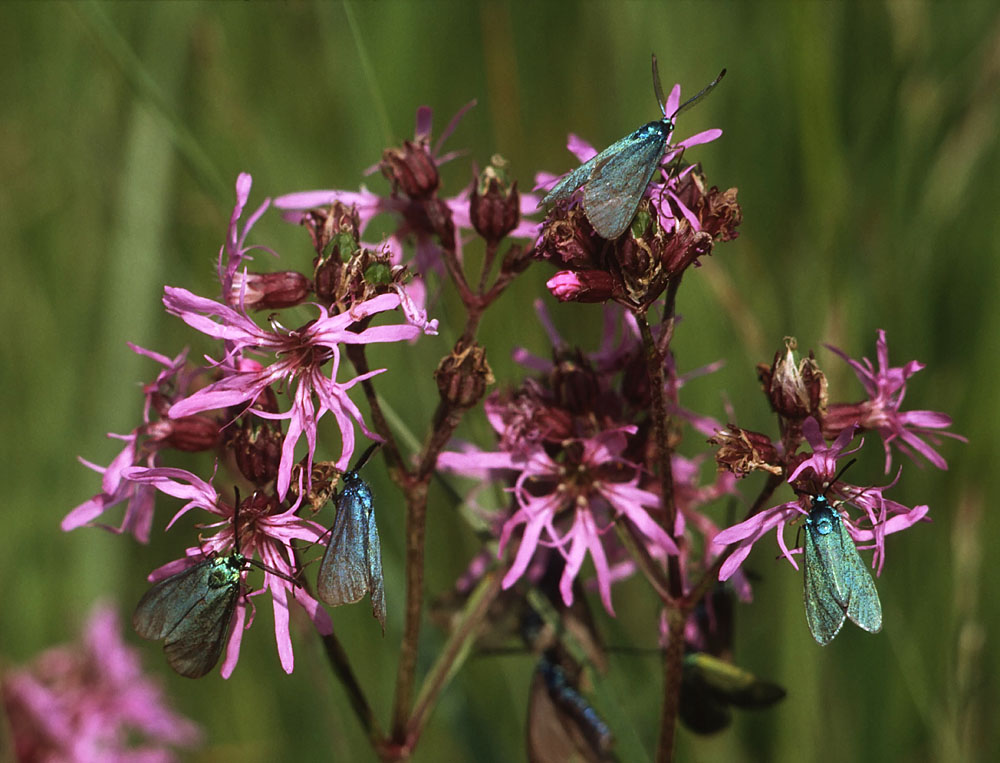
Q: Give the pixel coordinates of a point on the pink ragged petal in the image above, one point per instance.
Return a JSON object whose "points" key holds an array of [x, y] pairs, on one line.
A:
{"points": [[706, 136], [745, 529], [475, 462], [735, 560], [673, 100], [580, 148], [178, 483], [784, 547], [529, 542], [651, 529], [398, 332], [244, 181], [601, 571], [86, 512], [582, 537], [235, 640], [924, 448], [929, 419], [281, 635]]}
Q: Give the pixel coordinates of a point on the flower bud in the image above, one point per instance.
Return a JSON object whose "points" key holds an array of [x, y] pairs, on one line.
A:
{"points": [[566, 239], [269, 291], [720, 214], [741, 451], [495, 206], [191, 434], [581, 286], [439, 219], [411, 169], [463, 376], [334, 230], [256, 446], [795, 391]]}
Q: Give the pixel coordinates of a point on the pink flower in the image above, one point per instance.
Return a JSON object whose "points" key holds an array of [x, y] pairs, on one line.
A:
{"points": [[886, 388], [570, 505], [92, 702], [142, 445], [234, 251], [811, 477], [264, 529], [298, 357]]}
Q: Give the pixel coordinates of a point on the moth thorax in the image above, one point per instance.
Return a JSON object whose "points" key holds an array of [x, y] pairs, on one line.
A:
{"points": [[822, 515], [225, 570]]}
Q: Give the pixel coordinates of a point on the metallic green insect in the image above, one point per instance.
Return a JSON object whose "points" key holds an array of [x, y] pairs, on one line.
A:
{"points": [[837, 583], [192, 610], [614, 181]]}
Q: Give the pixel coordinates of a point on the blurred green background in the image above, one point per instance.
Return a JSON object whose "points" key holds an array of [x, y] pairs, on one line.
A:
{"points": [[863, 139]]}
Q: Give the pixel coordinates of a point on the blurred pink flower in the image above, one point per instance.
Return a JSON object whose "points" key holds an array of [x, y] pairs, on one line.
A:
{"points": [[91, 703]]}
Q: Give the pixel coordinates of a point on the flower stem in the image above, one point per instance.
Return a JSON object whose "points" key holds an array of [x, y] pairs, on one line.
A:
{"points": [[672, 666], [654, 369], [453, 654], [416, 527], [656, 352], [342, 667]]}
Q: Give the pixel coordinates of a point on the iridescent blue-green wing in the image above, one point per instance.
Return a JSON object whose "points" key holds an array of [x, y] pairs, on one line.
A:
{"points": [[376, 583], [824, 613], [863, 605], [619, 177], [343, 573], [352, 564], [169, 601], [192, 611], [194, 646], [568, 185]]}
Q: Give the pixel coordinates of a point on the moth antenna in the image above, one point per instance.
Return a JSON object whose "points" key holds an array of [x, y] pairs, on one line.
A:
{"points": [[658, 87]]}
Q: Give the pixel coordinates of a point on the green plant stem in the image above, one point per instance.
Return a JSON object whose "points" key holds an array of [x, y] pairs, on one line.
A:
{"points": [[359, 704], [452, 655]]}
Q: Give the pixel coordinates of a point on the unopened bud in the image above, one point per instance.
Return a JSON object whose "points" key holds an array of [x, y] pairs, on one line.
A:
{"points": [[795, 389], [581, 286], [742, 451], [411, 169], [269, 291], [191, 434], [463, 376], [495, 206]]}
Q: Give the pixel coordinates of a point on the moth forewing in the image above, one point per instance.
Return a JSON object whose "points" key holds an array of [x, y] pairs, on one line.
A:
{"points": [[824, 614], [837, 585], [864, 607], [343, 578], [160, 608], [568, 185], [619, 177], [352, 563], [192, 610], [376, 582]]}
